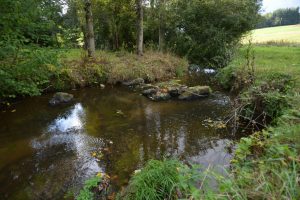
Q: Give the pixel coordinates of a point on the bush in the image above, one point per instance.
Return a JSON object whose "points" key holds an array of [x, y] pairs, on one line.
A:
{"points": [[168, 179], [265, 101], [155, 181], [28, 73], [267, 167], [207, 32], [86, 193]]}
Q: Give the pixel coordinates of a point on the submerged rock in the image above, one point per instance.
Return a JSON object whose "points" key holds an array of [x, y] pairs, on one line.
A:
{"points": [[195, 93], [150, 91], [135, 82], [160, 96], [60, 98]]}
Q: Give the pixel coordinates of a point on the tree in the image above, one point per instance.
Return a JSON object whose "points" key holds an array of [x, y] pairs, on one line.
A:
{"points": [[161, 29], [140, 31], [207, 32], [90, 39]]}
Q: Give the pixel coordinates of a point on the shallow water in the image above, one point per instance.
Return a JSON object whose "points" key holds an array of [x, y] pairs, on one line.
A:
{"points": [[47, 151]]}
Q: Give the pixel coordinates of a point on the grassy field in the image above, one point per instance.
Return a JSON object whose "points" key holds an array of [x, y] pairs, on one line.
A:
{"points": [[270, 59], [281, 34]]}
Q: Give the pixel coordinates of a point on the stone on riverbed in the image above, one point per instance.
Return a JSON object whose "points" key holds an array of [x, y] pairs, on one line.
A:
{"points": [[160, 96], [150, 91], [172, 89], [60, 98], [135, 82], [195, 93]]}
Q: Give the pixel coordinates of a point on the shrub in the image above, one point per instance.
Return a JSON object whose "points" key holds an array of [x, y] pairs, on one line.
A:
{"points": [[86, 193], [28, 73], [168, 179], [155, 181], [207, 32], [267, 167], [266, 100]]}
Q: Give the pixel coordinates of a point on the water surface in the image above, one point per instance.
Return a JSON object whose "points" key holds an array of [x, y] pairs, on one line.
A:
{"points": [[47, 151]]}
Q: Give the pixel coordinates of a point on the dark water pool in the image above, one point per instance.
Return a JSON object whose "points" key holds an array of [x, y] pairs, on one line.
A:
{"points": [[47, 151]]}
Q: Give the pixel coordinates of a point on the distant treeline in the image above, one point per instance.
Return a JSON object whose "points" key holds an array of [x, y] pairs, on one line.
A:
{"points": [[280, 17]]}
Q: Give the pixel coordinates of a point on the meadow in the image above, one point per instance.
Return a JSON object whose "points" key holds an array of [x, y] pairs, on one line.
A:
{"points": [[281, 34], [271, 59]]}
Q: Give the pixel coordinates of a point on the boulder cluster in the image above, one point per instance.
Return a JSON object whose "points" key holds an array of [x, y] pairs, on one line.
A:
{"points": [[169, 90]]}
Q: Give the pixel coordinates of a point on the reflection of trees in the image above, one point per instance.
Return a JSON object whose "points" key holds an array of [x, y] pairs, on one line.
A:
{"points": [[148, 130]]}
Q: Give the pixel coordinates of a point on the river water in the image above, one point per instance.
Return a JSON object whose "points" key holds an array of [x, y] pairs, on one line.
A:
{"points": [[46, 152]]}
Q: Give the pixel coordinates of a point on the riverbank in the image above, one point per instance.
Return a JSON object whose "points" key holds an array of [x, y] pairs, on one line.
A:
{"points": [[266, 164], [36, 71]]}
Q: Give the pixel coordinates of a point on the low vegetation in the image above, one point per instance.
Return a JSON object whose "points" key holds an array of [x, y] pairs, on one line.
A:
{"points": [[38, 70], [122, 66], [89, 186], [265, 165]]}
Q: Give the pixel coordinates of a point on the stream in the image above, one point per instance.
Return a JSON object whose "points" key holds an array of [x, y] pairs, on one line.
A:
{"points": [[46, 152]]}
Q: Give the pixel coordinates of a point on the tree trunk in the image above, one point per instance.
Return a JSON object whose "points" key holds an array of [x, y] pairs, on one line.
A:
{"points": [[90, 39], [161, 29], [161, 37], [140, 32]]}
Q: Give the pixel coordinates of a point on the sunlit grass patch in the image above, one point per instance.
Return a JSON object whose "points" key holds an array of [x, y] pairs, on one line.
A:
{"points": [[282, 34]]}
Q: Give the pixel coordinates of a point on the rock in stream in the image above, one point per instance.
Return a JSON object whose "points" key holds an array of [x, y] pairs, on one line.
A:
{"points": [[61, 98], [195, 93], [167, 90]]}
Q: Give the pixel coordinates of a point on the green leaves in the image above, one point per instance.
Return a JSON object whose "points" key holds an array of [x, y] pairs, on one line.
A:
{"points": [[213, 28], [28, 73], [86, 193]]}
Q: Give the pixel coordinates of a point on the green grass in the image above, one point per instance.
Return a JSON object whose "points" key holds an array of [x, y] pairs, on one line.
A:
{"points": [[270, 59], [281, 34]]}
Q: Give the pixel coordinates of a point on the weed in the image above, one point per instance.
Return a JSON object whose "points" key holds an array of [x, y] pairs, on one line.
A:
{"points": [[86, 193], [155, 181]]}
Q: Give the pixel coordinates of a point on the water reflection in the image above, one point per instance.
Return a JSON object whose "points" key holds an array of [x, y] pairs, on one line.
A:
{"points": [[62, 147], [73, 120]]}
